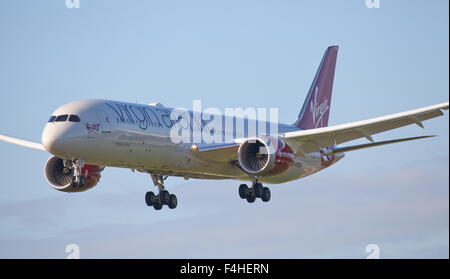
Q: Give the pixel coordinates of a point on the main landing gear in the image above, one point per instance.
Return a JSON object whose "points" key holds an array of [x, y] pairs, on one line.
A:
{"points": [[163, 197], [256, 191]]}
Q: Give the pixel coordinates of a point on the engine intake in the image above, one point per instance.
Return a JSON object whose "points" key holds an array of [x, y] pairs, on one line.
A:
{"points": [[265, 156], [61, 178]]}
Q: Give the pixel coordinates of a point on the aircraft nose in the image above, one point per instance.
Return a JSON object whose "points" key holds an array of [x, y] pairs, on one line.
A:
{"points": [[53, 140]]}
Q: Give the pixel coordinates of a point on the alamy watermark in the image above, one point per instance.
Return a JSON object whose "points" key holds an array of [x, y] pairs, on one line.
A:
{"points": [[70, 4], [370, 4], [373, 250], [73, 251], [210, 125]]}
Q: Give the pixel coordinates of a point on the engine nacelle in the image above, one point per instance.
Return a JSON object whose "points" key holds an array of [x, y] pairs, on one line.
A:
{"points": [[61, 178], [265, 156]]}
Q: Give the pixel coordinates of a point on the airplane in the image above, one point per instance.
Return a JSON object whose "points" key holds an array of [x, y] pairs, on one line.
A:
{"points": [[86, 136]]}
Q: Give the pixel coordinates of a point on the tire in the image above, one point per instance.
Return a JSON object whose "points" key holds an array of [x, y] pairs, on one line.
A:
{"points": [[82, 181], [266, 194], [251, 199], [165, 197], [157, 205], [243, 191], [149, 198], [173, 201], [74, 182], [258, 188]]}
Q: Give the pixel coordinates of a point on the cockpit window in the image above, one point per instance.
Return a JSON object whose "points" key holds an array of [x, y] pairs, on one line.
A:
{"points": [[52, 118], [74, 118], [61, 118]]}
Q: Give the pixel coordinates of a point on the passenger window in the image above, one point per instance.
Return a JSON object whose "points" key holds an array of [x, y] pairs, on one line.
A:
{"points": [[74, 118], [61, 118], [52, 118]]}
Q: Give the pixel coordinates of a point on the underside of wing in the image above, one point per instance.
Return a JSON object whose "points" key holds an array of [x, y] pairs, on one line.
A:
{"points": [[21, 142], [225, 152], [313, 140], [337, 150]]}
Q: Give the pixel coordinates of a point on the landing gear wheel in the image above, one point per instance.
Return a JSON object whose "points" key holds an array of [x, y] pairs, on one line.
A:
{"points": [[157, 205], [256, 191], [251, 199], [150, 198], [266, 194], [74, 182], [172, 201], [243, 191], [165, 197], [258, 188], [82, 181]]}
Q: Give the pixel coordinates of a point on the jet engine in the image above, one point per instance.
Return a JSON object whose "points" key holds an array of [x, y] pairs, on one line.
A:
{"points": [[265, 156], [61, 178]]}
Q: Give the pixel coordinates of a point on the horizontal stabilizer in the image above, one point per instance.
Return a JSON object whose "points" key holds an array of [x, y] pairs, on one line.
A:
{"points": [[373, 144]]}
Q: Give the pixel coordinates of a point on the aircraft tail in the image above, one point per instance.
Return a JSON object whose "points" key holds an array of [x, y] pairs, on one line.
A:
{"points": [[316, 109]]}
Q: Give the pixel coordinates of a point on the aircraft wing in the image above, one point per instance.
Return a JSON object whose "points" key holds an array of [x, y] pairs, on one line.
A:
{"points": [[21, 142], [313, 140]]}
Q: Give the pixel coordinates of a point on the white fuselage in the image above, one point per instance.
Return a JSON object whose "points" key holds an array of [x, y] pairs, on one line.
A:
{"points": [[135, 136]]}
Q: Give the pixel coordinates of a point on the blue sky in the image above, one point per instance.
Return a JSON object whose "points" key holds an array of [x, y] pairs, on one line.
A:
{"points": [[229, 54]]}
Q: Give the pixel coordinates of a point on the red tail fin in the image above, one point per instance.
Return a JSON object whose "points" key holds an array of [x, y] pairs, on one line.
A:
{"points": [[316, 109]]}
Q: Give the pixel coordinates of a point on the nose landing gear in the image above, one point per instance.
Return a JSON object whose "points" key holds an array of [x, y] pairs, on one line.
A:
{"points": [[75, 166]]}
